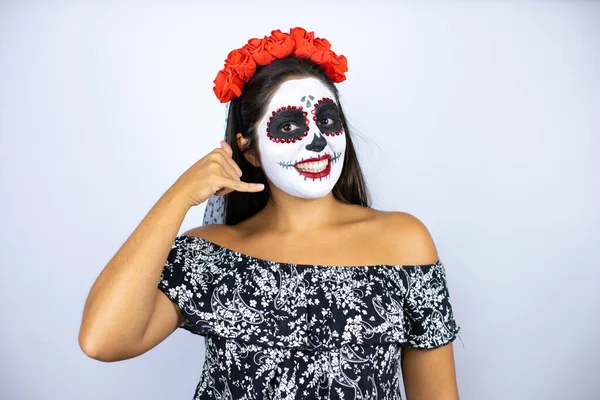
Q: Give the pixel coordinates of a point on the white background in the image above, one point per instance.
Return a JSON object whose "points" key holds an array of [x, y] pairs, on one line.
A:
{"points": [[480, 118]]}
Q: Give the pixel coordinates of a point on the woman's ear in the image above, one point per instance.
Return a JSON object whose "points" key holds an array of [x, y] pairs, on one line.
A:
{"points": [[250, 155]]}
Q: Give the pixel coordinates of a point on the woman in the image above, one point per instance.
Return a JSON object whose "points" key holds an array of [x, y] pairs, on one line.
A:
{"points": [[305, 291]]}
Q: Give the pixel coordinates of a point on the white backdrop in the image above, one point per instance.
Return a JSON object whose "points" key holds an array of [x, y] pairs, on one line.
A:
{"points": [[480, 118]]}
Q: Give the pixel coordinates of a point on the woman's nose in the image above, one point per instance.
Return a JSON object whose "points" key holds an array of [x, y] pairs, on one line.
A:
{"points": [[318, 143]]}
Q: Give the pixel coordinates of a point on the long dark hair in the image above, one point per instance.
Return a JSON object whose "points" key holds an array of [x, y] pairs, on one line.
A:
{"points": [[247, 110]]}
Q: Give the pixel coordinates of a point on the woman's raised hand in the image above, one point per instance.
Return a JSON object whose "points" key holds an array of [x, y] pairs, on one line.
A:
{"points": [[214, 174]]}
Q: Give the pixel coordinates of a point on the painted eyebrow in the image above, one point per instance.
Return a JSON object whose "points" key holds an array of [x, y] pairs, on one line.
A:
{"points": [[291, 114], [324, 107], [285, 111], [287, 108]]}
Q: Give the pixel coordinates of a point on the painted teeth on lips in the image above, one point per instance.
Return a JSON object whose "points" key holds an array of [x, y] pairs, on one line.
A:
{"points": [[313, 166]]}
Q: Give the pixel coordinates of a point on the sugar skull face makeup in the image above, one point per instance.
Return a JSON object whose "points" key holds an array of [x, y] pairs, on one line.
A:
{"points": [[301, 139]]}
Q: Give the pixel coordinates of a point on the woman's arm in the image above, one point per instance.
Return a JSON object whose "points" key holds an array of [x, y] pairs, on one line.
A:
{"points": [[429, 374], [124, 298]]}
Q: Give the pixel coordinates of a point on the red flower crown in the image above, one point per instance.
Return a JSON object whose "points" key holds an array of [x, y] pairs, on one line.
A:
{"points": [[241, 64]]}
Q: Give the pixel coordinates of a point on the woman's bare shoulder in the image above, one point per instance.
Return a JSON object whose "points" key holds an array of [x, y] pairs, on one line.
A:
{"points": [[216, 233], [407, 239]]}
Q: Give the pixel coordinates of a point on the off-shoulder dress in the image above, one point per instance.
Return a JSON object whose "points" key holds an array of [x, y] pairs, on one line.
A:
{"points": [[278, 330]]}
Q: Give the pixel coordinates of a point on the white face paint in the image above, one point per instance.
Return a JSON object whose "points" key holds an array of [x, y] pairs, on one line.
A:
{"points": [[301, 139]]}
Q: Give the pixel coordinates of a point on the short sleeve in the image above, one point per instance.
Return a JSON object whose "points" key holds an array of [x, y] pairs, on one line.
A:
{"points": [[178, 280], [429, 319]]}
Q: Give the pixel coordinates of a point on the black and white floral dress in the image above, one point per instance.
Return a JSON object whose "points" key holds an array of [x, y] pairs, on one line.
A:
{"points": [[291, 331]]}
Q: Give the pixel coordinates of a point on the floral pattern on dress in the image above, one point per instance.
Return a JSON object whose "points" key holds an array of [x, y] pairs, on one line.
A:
{"points": [[293, 331]]}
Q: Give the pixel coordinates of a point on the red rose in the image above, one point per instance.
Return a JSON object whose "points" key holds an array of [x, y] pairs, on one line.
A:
{"points": [[228, 85], [304, 42], [256, 48], [322, 44], [242, 63], [336, 68], [279, 44], [300, 35], [323, 53]]}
